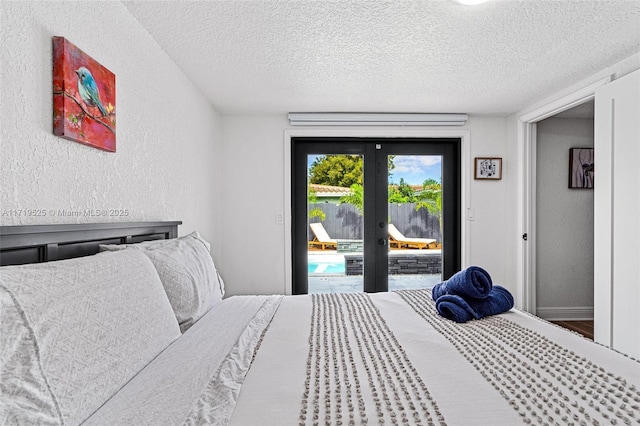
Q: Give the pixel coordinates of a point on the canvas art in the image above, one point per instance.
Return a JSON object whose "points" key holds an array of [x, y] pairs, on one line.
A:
{"points": [[581, 168], [84, 97]]}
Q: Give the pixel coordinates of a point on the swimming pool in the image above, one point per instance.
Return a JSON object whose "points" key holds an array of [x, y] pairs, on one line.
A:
{"points": [[326, 265]]}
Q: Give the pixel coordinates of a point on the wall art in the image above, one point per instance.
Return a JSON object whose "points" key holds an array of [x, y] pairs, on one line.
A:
{"points": [[488, 168], [581, 168], [84, 97]]}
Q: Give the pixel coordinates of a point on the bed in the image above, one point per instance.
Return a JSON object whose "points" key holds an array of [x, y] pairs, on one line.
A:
{"points": [[331, 359]]}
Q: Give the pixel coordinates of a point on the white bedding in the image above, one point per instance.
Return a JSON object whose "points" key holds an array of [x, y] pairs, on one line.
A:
{"points": [[75, 331], [167, 389], [314, 365]]}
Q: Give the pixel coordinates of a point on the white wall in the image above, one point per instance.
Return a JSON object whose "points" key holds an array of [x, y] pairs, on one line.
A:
{"points": [[168, 135], [253, 260], [564, 242], [254, 192], [492, 235]]}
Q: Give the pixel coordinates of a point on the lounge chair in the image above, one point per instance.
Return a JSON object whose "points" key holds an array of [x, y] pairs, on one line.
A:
{"points": [[321, 239], [397, 240]]}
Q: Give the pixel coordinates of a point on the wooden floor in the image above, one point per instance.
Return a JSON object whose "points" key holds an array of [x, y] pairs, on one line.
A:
{"points": [[583, 327]]}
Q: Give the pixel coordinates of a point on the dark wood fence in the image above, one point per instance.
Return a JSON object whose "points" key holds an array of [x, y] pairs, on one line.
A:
{"points": [[345, 222]]}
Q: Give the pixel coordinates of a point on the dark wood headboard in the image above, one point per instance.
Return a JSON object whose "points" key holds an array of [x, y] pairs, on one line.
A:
{"points": [[42, 243]]}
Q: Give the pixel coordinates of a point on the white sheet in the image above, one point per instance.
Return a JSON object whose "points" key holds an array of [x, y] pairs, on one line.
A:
{"points": [[166, 390]]}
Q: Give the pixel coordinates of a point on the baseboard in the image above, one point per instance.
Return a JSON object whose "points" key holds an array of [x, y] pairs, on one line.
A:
{"points": [[577, 313]]}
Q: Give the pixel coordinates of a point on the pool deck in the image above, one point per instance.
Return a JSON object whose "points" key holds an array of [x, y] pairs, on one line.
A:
{"points": [[341, 283]]}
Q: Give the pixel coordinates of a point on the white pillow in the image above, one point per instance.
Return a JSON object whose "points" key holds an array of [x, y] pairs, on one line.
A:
{"points": [[73, 332], [187, 272]]}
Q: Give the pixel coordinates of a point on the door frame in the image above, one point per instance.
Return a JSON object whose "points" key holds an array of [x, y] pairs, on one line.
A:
{"points": [[465, 175], [527, 145]]}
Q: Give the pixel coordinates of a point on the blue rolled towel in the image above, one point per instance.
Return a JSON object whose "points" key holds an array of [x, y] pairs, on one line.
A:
{"points": [[471, 282], [459, 309]]}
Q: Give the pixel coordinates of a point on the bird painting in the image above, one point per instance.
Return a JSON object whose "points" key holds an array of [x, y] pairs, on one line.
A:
{"points": [[84, 97], [88, 89]]}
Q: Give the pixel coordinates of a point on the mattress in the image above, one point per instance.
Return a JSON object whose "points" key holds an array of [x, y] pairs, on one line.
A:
{"points": [[384, 358]]}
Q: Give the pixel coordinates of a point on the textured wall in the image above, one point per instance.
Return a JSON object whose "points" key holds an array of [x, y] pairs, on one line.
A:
{"points": [[167, 133], [564, 248]]}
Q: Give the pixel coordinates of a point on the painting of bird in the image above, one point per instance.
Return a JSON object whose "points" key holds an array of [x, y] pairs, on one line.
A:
{"points": [[88, 89], [84, 97]]}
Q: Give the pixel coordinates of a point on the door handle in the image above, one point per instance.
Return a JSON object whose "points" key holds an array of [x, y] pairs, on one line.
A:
{"points": [[382, 242]]}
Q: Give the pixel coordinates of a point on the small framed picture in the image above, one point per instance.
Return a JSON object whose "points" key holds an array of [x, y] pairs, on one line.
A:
{"points": [[488, 168], [581, 168]]}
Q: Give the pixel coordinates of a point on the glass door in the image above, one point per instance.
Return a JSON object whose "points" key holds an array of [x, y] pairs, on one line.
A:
{"points": [[374, 214], [328, 183], [415, 221], [335, 213]]}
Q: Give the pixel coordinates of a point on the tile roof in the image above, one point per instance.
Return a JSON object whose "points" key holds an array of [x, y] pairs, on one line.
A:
{"points": [[329, 190], [339, 190]]}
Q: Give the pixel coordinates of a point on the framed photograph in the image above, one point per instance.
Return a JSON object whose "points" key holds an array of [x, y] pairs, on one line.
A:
{"points": [[581, 168], [488, 168], [84, 97]]}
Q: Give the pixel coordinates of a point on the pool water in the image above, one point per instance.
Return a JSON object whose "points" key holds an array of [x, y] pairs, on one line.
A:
{"points": [[325, 267]]}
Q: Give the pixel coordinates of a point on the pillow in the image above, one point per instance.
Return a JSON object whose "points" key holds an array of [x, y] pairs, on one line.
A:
{"points": [[187, 273], [73, 332]]}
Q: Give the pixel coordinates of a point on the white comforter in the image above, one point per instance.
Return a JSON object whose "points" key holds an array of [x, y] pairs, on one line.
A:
{"points": [[382, 358]]}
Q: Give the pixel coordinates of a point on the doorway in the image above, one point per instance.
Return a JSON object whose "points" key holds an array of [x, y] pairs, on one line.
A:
{"points": [[526, 251], [374, 198], [565, 216]]}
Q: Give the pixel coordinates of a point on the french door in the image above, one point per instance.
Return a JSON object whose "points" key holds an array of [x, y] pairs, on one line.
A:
{"points": [[377, 222]]}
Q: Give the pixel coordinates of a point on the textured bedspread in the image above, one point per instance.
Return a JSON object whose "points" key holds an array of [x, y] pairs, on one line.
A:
{"points": [[385, 358], [391, 359], [544, 381]]}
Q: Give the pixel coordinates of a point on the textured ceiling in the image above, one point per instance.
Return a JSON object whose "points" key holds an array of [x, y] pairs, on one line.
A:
{"points": [[389, 56]]}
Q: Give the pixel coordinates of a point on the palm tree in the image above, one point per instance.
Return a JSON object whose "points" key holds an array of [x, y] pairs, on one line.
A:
{"points": [[355, 197], [431, 198]]}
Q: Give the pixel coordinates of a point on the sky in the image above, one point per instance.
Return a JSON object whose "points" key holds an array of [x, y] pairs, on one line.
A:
{"points": [[414, 169]]}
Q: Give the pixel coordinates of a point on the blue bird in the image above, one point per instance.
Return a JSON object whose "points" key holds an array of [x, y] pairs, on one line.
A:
{"points": [[89, 89]]}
